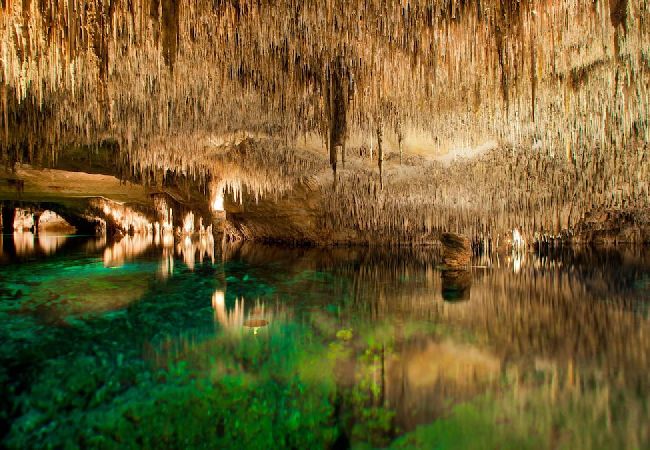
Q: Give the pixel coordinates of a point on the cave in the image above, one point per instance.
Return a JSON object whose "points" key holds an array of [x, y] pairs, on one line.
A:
{"points": [[326, 224]]}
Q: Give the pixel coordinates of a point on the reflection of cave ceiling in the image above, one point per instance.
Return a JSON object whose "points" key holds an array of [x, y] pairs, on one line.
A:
{"points": [[172, 82]]}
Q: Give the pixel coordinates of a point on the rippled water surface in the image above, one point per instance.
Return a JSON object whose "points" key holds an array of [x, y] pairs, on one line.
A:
{"points": [[155, 344]]}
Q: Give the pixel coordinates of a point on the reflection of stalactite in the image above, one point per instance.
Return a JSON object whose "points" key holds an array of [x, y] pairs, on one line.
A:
{"points": [[456, 285]]}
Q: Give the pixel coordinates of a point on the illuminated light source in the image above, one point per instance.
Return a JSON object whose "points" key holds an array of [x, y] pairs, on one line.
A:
{"points": [[518, 244], [217, 204], [168, 240], [517, 262], [24, 220]]}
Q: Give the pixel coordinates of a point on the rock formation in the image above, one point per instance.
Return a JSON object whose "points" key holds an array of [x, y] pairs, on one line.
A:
{"points": [[456, 250], [431, 115]]}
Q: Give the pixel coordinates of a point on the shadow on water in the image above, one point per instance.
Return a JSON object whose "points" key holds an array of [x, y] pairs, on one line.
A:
{"points": [[181, 344]]}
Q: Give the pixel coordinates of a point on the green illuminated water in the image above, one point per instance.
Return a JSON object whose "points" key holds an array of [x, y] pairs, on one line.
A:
{"points": [[137, 346]]}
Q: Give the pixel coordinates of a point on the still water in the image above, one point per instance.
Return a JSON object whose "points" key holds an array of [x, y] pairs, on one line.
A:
{"points": [[148, 344]]}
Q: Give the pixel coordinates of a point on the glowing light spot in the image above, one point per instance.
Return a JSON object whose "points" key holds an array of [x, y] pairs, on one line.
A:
{"points": [[217, 204]]}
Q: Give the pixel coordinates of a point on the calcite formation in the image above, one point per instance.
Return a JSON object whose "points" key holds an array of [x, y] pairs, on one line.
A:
{"points": [[257, 98]]}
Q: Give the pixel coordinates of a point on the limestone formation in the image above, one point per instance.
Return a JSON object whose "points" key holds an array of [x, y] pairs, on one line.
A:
{"points": [[544, 104]]}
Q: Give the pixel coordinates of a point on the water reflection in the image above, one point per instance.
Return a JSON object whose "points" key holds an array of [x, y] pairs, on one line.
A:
{"points": [[423, 376], [240, 317], [565, 337], [24, 242], [398, 343], [50, 243], [190, 247], [456, 285], [126, 249], [197, 248], [167, 265]]}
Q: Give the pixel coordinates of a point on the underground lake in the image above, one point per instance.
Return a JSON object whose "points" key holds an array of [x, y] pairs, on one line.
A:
{"points": [[141, 344], [325, 224]]}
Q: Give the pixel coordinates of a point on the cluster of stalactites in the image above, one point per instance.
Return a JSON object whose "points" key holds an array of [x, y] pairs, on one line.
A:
{"points": [[568, 74], [125, 218], [257, 168], [486, 198]]}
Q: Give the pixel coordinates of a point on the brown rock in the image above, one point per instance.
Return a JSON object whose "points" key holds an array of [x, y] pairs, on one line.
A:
{"points": [[457, 251]]}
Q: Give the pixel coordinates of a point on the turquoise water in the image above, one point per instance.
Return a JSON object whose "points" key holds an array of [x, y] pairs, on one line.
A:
{"points": [[135, 345]]}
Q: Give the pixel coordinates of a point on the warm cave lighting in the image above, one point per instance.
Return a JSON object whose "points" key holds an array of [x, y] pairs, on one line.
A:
{"points": [[437, 234], [50, 243], [126, 218], [230, 320], [126, 249], [237, 318], [166, 268], [168, 240], [24, 220], [23, 242], [217, 204], [518, 260]]}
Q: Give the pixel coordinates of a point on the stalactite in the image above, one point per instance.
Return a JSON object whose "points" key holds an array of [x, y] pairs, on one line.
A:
{"points": [[400, 139], [380, 153], [561, 87], [337, 95], [283, 65]]}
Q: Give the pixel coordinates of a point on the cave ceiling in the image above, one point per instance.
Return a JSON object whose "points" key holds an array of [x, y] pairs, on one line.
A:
{"points": [[185, 85]]}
